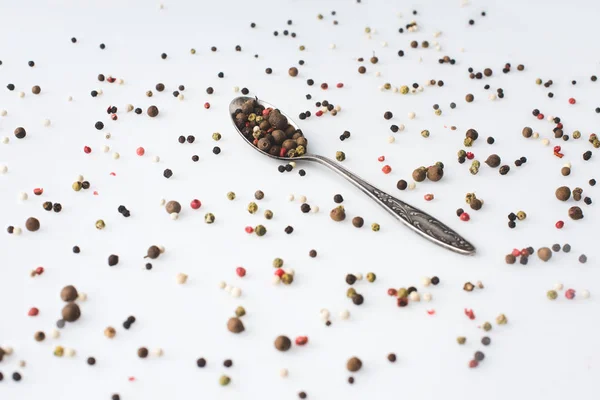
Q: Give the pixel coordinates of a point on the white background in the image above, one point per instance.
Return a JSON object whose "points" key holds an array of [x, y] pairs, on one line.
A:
{"points": [[548, 349]]}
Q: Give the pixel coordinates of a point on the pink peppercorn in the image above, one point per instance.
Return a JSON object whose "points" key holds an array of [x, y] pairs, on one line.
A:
{"points": [[114, 117], [386, 169], [38, 191], [469, 313], [249, 229], [207, 105], [266, 112], [340, 85], [516, 252], [319, 113], [87, 149], [524, 253], [279, 272], [559, 125], [240, 271], [392, 292], [559, 224], [140, 151], [570, 294], [301, 340], [39, 270], [465, 217], [473, 363], [195, 204], [557, 149], [381, 158], [572, 101], [470, 155], [33, 311], [540, 116], [324, 86], [428, 197]]}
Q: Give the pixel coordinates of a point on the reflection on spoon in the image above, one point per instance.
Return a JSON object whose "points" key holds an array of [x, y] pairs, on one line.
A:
{"points": [[276, 135]]}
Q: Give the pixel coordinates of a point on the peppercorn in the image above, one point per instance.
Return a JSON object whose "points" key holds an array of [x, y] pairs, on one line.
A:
{"points": [[544, 253], [493, 161], [71, 312], [388, 115], [113, 260], [358, 299], [577, 192], [153, 252], [419, 174], [435, 173], [312, 253], [575, 213], [354, 364], [501, 319], [474, 168], [563, 193], [487, 326], [167, 173], [287, 279], [47, 205], [468, 287], [173, 207], [260, 230], [293, 71], [142, 352], [435, 280], [209, 218], [461, 340], [338, 214], [224, 380], [235, 325], [338, 198], [371, 277], [504, 169], [20, 132], [469, 98], [551, 294], [351, 292], [252, 207]]}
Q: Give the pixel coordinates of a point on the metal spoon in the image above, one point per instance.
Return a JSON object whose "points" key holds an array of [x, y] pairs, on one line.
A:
{"points": [[417, 220]]}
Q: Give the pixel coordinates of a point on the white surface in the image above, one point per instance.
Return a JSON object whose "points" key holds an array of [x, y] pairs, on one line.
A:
{"points": [[548, 349]]}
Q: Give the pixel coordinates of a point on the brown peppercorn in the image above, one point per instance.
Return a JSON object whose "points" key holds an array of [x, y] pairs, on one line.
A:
{"points": [[358, 222], [362, 69], [575, 213], [419, 174], [563, 193], [173, 207], [527, 132], [235, 325], [312, 253], [472, 134], [71, 312], [510, 259], [293, 71], [487, 72], [142, 352], [36, 89], [20, 132], [435, 173], [414, 44], [338, 214], [259, 195], [468, 287], [283, 343], [469, 98], [277, 120], [152, 111], [544, 253], [68, 293], [354, 364], [391, 357], [153, 252], [577, 192], [32, 224], [110, 332], [565, 171], [476, 204], [402, 184]]}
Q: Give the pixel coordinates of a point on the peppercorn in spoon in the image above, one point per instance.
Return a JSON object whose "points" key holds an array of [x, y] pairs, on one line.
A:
{"points": [[274, 134]]}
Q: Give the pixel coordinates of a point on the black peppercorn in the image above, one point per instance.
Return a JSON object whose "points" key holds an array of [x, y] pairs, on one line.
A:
{"points": [[289, 229], [227, 363], [512, 224], [57, 207], [113, 260], [190, 139], [91, 361], [47, 206], [388, 115], [587, 155], [350, 279], [31, 63], [20, 133], [195, 158], [305, 208], [10, 87], [435, 280], [148, 266], [167, 173], [486, 341], [312, 253], [216, 150], [504, 169], [201, 362], [76, 249], [302, 172], [220, 75], [479, 356], [402, 184], [181, 139], [17, 376], [459, 212], [358, 299], [338, 198]]}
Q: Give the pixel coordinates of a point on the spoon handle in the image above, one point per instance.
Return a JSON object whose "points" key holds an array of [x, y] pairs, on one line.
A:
{"points": [[417, 220]]}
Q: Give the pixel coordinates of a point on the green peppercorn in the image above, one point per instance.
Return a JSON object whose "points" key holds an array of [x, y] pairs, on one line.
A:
{"points": [[76, 186], [461, 340], [474, 168], [468, 142], [501, 319], [404, 89], [287, 279], [371, 277], [252, 207], [192, 51], [350, 292], [576, 135], [230, 196], [375, 227], [461, 154], [59, 351], [268, 214], [224, 380], [209, 218], [538, 81], [340, 155], [240, 311], [100, 224], [260, 230], [551, 294], [487, 326], [521, 215], [425, 133], [402, 292], [438, 112], [277, 263], [216, 136]]}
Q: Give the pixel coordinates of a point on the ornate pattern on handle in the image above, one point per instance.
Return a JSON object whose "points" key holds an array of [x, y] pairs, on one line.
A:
{"points": [[423, 222]]}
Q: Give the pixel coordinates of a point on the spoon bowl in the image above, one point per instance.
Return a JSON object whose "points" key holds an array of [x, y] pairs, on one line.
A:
{"points": [[417, 220]]}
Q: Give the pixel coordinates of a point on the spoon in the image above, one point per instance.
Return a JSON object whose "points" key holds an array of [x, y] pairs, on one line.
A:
{"points": [[417, 220]]}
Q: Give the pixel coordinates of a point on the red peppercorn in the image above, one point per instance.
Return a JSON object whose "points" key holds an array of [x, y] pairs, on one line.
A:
{"points": [[207, 105], [524, 253], [381, 159], [87, 149], [319, 113], [240, 271], [249, 229], [110, 79], [473, 363], [392, 292], [279, 272], [195, 204], [559, 125], [469, 313], [470, 155], [301, 340], [559, 224], [540, 116], [570, 294], [572, 101], [131, 378], [282, 152], [33, 311], [324, 86], [557, 149], [340, 85], [431, 311], [266, 112], [428, 197], [114, 117], [39, 270], [140, 151], [38, 191], [465, 217], [386, 169], [516, 252]]}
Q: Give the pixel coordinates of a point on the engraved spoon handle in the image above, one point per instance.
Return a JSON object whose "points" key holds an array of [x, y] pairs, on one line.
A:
{"points": [[417, 220]]}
